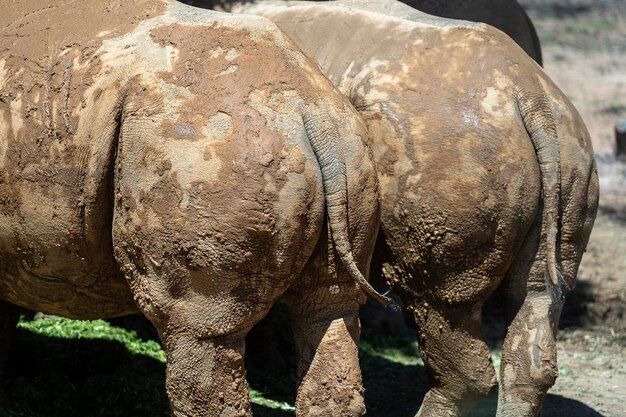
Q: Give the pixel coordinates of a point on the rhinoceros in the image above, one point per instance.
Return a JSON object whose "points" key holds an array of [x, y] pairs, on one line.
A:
{"points": [[487, 181], [506, 15], [191, 165]]}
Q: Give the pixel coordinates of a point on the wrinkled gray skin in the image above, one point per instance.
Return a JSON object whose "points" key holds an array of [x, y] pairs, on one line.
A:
{"points": [[506, 15], [487, 180], [190, 165]]}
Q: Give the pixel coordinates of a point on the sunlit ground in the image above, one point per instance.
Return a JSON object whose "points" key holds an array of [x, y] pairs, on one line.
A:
{"points": [[61, 367], [67, 368]]}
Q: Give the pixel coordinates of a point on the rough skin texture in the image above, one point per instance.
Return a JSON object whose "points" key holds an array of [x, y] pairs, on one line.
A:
{"points": [[154, 156], [487, 180], [506, 15]]}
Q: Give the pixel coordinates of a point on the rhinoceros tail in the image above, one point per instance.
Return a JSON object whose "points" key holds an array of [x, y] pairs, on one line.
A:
{"points": [[324, 138], [539, 122]]}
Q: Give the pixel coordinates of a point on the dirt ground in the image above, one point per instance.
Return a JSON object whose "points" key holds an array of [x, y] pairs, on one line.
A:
{"points": [[584, 45]]}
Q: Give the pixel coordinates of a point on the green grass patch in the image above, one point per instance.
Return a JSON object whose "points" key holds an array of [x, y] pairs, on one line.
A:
{"points": [[399, 350], [94, 329], [65, 343], [70, 368]]}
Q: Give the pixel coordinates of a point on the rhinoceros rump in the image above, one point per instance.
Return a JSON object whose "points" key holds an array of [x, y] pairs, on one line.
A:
{"points": [[487, 181], [180, 162]]}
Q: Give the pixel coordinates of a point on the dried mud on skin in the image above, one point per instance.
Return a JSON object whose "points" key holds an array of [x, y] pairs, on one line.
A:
{"points": [[594, 78], [584, 45], [592, 345]]}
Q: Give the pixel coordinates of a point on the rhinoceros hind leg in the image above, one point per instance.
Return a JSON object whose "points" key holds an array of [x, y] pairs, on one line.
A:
{"points": [[324, 311], [206, 376], [9, 315], [328, 365], [529, 365], [201, 325], [457, 360]]}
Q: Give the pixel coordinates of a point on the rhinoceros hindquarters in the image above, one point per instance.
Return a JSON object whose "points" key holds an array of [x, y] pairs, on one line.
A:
{"points": [[212, 200]]}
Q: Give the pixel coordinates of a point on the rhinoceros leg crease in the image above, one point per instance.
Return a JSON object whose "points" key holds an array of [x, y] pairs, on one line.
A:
{"points": [[457, 360], [529, 366], [9, 315], [324, 311]]}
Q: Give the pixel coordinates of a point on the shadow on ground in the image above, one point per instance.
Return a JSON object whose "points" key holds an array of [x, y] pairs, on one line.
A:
{"points": [[49, 377]]}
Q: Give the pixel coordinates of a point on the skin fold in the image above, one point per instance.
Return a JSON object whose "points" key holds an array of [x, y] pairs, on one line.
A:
{"points": [[191, 165], [487, 180]]}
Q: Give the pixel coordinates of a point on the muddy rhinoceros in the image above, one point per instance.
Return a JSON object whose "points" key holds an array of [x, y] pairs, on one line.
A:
{"points": [[506, 15], [487, 181], [183, 163]]}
